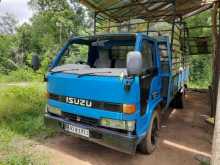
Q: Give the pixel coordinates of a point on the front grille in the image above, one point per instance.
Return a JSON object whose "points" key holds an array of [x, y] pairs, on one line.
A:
{"points": [[80, 119], [99, 105]]}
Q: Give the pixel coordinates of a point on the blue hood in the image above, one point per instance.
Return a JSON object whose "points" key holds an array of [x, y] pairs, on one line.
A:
{"points": [[96, 88]]}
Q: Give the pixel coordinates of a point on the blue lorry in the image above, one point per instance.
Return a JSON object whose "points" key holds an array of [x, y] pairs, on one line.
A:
{"points": [[115, 94]]}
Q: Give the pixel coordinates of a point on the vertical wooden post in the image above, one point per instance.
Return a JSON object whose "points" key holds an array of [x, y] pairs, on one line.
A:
{"points": [[216, 137], [148, 27], [216, 85], [173, 24], [216, 53], [109, 25], [94, 30]]}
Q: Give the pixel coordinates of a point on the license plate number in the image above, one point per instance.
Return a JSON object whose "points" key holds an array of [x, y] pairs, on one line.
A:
{"points": [[76, 130]]}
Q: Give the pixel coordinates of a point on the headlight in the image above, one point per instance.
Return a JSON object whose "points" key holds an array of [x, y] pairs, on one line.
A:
{"points": [[53, 110], [125, 125]]}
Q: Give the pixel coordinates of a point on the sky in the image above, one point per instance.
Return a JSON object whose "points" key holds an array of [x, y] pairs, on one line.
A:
{"points": [[18, 8]]}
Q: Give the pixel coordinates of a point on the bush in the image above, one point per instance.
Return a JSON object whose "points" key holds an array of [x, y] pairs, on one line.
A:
{"points": [[21, 75]]}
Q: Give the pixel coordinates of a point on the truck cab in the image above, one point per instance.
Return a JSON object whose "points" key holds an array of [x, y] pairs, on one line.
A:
{"points": [[110, 89]]}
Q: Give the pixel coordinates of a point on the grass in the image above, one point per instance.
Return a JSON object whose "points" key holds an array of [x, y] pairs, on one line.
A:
{"points": [[199, 85], [21, 119], [24, 159], [28, 75]]}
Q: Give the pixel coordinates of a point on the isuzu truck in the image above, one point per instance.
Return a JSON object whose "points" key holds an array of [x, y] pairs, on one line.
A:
{"points": [[115, 93]]}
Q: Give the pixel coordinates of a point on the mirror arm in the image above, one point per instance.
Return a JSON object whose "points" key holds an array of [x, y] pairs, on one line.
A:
{"points": [[128, 83]]}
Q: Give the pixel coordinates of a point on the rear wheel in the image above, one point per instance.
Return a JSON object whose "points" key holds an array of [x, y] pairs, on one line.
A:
{"points": [[178, 101], [148, 144]]}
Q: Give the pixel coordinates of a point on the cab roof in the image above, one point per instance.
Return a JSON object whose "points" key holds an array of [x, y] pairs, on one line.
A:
{"points": [[112, 36]]}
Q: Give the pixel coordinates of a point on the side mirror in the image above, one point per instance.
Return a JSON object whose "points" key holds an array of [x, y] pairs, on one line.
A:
{"points": [[35, 62], [134, 63]]}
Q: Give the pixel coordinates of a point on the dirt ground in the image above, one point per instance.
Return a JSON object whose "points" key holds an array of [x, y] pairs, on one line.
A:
{"points": [[183, 136]]}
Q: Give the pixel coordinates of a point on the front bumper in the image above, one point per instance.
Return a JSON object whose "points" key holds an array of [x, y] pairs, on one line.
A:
{"points": [[118, 141]]}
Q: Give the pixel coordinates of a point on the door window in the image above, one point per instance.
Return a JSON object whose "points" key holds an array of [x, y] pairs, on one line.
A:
{"points": [[148, 70], [147, 56]]}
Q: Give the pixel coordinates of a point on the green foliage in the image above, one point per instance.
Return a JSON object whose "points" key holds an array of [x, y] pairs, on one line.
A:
{"points": [[21, 117], [21, 75], [202, 19], [53, 23], [75, 53], [200, 72], [22, 108], [200, 65], [6, 53]]}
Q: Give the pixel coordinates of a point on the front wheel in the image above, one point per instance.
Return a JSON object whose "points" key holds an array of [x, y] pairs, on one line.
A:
{"points": [[149, 143]]}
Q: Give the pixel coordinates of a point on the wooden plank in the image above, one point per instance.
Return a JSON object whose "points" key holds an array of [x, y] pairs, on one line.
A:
{"points": [[198, 11], [91, 5]]}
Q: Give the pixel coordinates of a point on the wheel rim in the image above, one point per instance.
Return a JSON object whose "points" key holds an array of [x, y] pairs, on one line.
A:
{"points": [[154, 133]]}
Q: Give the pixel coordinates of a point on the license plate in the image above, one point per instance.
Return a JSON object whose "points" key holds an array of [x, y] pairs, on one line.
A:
{"points": [[76, 130]]}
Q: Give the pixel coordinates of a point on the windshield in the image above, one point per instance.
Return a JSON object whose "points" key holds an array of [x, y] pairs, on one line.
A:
{"points": [[107, 55], [76, 53], [96, 57]]}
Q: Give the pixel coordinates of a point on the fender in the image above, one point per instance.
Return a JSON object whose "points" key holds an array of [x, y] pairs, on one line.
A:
{"points": [[153, 103], [151, 108]]}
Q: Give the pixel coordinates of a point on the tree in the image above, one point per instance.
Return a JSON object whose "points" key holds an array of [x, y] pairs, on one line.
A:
{"points": [[7, 37], [49, 5], [7, 24], [7, 46], [72, 14], [52, 24]]}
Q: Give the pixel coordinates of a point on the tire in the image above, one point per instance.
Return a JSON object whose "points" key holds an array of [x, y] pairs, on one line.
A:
{"points": [[149, 143], [178, 101]]}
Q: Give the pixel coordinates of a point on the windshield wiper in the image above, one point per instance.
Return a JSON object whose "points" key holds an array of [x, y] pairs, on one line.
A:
{"points": [[59, 71], [91, 73]]}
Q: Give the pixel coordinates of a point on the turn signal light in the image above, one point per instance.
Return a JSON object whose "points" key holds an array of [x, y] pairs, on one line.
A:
{"points": [[129, 108]]}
